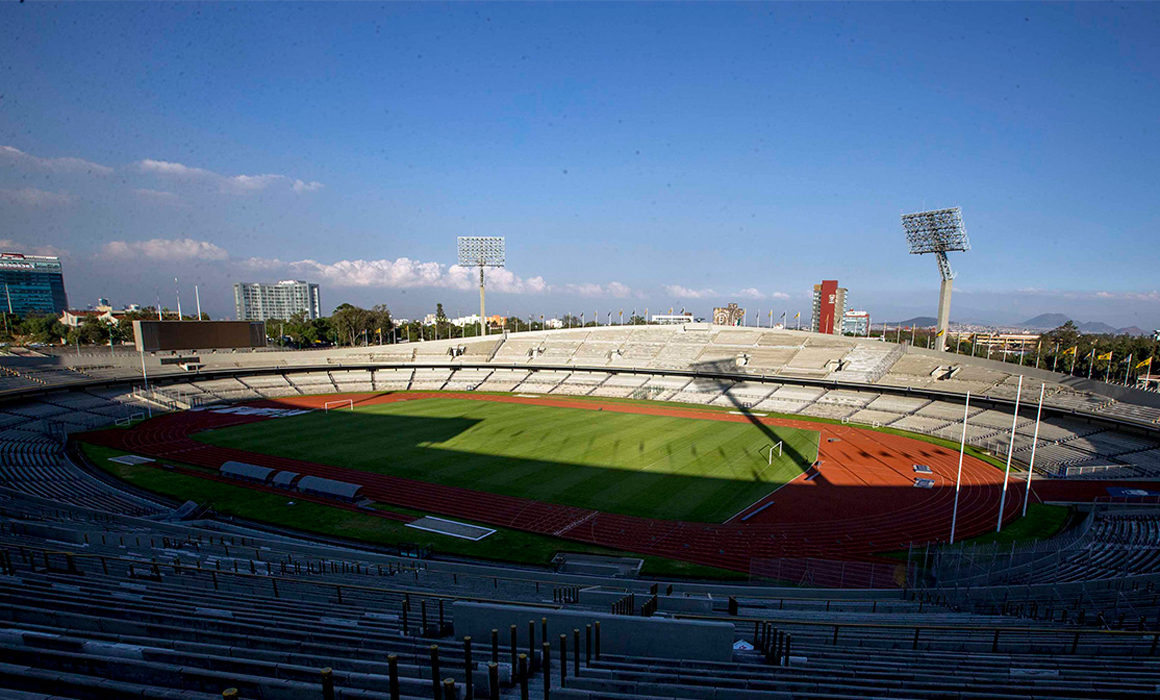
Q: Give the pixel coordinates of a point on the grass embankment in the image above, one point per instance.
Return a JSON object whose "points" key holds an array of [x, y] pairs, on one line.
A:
{"points": [[505, 545], [1041, 522]]}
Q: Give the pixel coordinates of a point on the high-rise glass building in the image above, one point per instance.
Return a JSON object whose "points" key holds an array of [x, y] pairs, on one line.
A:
{"points": [[259, 301], [33, 284]]}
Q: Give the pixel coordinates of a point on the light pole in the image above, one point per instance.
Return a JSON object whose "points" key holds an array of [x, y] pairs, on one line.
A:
{"points": [[959, 476], [938, 231], [1010, 453], [481, 252], [1034, 443]]}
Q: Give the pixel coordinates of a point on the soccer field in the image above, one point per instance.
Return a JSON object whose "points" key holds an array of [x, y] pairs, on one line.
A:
{"points": [[651, 466]]}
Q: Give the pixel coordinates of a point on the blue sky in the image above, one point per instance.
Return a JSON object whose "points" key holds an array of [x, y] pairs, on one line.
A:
{"points": [[635, 155]]}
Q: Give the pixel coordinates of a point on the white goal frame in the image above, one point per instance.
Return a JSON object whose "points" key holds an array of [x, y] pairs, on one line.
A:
{"points": [[326, 406], [777, 445]]}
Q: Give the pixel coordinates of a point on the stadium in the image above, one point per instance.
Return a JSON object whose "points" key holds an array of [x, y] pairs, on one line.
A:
{"points": [[579, 351], [740, 510]]}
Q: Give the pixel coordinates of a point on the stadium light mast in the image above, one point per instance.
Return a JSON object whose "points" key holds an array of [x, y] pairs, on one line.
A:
{"points": [[939, 231], [481, 252]]}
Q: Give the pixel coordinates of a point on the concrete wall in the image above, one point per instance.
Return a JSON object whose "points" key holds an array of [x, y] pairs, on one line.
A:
{"points": [[655, 637], [701, 604]]}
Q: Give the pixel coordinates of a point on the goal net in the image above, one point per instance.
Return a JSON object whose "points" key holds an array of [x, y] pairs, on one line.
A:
{"points": [[341, 403]]}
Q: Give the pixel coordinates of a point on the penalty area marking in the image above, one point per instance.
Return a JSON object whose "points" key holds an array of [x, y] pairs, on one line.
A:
{"points": [[741, 512], [131, 459], [451, 528]]}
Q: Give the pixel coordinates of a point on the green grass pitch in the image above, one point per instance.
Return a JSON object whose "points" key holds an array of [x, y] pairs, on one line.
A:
{"points": [[650, 466]]}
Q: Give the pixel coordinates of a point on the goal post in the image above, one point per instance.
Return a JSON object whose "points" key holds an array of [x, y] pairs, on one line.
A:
{"points": [[775, 446], [338, 404]]}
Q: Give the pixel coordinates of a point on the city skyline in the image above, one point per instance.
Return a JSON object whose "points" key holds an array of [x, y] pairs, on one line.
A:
{"points": [[779, 148]]}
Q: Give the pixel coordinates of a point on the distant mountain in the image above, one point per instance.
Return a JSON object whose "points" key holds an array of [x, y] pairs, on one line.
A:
{"points": [[920, 321], [1097, 327], [1046, 321]]}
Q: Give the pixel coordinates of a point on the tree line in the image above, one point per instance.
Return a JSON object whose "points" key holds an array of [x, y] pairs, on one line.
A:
{"points": [[34, 329]]}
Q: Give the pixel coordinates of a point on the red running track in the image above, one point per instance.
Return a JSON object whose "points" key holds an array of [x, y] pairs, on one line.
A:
{"points": [[860, 502]]}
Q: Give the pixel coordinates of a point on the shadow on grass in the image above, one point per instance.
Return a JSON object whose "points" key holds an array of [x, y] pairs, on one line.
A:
{"points": [[415, 447]]}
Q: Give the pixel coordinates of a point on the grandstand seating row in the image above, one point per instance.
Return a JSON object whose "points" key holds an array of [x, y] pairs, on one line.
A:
{"points": [[765, 352], [102, 599], [100, 605]]}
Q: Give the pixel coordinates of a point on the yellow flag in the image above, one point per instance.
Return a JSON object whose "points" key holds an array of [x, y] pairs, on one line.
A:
{"points": [[798, 315], [1144, 363], [1105, 356], [1070, 351], [940, 333]]}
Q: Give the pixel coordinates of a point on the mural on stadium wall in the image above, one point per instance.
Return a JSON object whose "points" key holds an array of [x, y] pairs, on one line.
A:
{"points": [[730, 315]]}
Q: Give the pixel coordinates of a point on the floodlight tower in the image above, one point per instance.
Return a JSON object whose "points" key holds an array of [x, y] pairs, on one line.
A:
{"points": [[940, 232], [481, 252]]}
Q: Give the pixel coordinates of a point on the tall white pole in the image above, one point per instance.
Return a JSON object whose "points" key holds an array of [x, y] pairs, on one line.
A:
{"points": [[959, 476], [197, 295], [1010, 452], [1034, 442], [144, 374], [178, 291], [482, 327]]}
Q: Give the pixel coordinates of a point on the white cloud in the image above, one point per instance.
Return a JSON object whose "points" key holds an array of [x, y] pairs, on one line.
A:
{"points": [[1072, 294], [32, 197], [780, 295], [618, 290], [253, 183], [1143, 296], [751, 293], [238, 184], [300, 186], [8, 245], [159, 197], [166, 249], [503, 280], [591, 290], [402, 272], [164, 167], [263, 264], [52, 165], [676, 290]]}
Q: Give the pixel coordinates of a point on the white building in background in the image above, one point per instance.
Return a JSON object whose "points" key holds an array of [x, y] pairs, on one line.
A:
{"points": [[553, 323], [668, 319], [260, 301], [471, 320], [856, 322]]}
